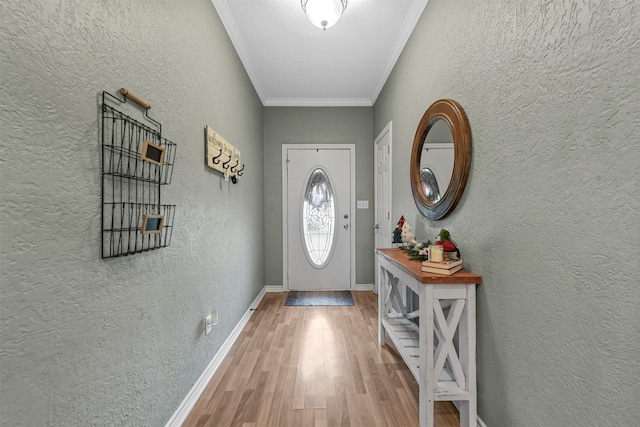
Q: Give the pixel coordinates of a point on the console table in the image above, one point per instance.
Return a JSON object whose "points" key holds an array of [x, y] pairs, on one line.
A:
{"points": [[441, 351]]}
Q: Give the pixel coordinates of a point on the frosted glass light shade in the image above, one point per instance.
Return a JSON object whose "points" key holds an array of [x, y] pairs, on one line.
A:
{"points": [[324, 13]]}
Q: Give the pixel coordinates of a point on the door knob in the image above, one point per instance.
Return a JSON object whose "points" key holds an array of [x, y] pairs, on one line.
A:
{"points": [[346, 226], [377, 226]]}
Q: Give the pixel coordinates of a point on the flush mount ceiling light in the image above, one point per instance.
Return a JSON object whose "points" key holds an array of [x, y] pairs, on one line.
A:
{"points": [[324, 13]]}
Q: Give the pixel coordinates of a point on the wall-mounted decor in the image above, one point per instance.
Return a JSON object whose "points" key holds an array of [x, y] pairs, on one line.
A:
{"points": [[222, 156], [447, 122], [136, 162]]}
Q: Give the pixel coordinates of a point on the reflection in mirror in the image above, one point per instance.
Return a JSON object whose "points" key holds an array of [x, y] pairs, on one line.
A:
{"points": [[429, 185], [437, 157]]}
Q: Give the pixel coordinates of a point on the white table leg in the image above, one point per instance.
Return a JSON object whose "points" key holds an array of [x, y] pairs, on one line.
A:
{"points": [[381, 303], [467, 351], [426, 381]]}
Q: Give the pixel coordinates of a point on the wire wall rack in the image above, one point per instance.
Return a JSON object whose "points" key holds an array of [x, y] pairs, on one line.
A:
{"points": [[136, 162]]}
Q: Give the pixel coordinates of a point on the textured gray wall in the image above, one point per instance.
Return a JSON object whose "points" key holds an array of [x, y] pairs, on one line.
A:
{"points": [[322, 125], [550, 215], [87, 341]]}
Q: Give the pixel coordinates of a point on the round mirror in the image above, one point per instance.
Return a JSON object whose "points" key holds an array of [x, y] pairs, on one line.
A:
{"points": [[440, 159]]}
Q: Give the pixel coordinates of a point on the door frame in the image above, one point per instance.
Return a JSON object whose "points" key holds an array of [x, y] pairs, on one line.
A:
{"points": [[352, 206], [388, 130]]}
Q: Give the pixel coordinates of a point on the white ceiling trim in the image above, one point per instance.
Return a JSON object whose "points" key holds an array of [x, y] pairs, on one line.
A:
{"points": [[415, 12], [318, 102], [236, 39]]}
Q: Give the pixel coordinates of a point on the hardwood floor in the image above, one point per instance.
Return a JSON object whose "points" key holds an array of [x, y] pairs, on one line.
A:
{"points": [[316, 367]]}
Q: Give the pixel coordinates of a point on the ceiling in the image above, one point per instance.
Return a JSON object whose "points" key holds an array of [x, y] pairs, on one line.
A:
{"points": [[292, 63]]}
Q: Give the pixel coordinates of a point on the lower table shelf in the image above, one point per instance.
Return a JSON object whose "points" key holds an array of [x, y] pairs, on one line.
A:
{"points": [[406, 338]]}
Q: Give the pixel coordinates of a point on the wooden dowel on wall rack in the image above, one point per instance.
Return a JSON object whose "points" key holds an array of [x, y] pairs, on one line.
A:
{"points": [[135, 98]]}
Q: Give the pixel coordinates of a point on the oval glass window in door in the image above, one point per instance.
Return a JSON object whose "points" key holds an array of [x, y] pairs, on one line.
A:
{"points": [[318, 218]]}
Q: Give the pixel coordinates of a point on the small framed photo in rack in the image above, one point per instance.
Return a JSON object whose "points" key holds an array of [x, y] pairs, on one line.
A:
{"points": [[151, 224], [152, 153]]}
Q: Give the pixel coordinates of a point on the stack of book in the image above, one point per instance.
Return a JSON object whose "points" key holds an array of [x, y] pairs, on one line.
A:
{"points": [[446, 268]]}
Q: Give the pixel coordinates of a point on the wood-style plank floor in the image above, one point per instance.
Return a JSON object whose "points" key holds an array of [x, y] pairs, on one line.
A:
{"points": [[316, 367]]}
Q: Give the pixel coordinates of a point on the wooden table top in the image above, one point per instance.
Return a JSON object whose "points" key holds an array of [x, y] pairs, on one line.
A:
{"points": [[413, 268]]}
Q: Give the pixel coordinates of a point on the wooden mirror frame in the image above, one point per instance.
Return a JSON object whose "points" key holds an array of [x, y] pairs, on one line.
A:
{"points": [[452, 112]]}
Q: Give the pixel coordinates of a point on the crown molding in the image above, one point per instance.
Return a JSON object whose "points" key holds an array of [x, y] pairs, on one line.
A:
{"points": [[318, 102], [412, 18], [236, 39]]}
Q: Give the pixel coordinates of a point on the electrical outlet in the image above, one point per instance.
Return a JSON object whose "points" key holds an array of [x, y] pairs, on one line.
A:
{"points": [[209, 321], [207, 325]]}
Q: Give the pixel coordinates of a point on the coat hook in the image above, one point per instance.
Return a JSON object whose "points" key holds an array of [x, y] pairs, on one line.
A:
{"points": [[233, 168], [214, 161], [239, 173], [225, 165]]}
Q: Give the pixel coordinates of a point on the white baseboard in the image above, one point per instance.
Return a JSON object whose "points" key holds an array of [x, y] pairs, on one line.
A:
{"points": [[364, 287], [192, 397], [358, 287], [481, 423]]}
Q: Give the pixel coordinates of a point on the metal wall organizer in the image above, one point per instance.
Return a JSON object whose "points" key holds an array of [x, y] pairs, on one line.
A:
{"points": [[136, 162]]}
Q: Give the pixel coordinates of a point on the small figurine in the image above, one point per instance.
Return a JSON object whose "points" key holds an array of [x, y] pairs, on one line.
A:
{"points": [[397, 233], [407, 235], [448, 245]]}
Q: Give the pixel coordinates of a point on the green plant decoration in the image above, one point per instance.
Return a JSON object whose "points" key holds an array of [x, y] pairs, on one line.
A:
{"points": [[419, 252]]}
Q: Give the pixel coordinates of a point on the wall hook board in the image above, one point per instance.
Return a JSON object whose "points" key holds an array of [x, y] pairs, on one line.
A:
{"points": [[220, 153]]}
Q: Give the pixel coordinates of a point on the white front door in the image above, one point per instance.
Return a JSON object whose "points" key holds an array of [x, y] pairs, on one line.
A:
{"points": [[318, 210], [383, 224]]}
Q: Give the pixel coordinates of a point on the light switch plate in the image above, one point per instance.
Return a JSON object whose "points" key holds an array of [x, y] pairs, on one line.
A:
{"points": [[363, 204]]}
